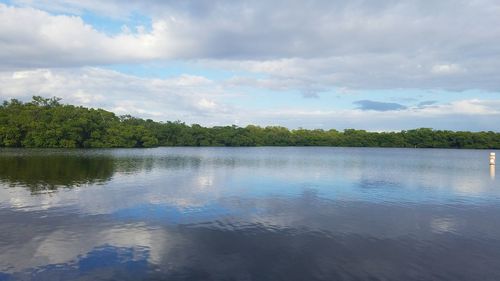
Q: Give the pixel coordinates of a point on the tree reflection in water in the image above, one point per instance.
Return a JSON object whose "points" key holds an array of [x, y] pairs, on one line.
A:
{"points": [[48, 170], [41, 173]]}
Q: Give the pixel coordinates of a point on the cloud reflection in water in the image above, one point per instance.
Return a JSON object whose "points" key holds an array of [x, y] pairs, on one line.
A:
{"points": [[258, 213]]}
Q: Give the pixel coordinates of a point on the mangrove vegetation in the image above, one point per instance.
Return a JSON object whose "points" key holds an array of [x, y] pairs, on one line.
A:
{"points": [[47, 123]]}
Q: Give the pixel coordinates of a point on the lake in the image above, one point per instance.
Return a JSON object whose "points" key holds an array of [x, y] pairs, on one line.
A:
{"points": [[262, 213]]}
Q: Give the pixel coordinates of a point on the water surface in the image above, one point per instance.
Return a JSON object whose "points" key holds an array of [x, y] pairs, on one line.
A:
{"points": [[248, 214]]}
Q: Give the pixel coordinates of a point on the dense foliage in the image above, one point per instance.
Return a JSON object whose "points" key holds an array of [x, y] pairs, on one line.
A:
{"points": [[48, 123]]}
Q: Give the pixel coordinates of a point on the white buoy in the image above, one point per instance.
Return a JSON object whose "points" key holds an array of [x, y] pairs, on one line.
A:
{"points": [[492, 158]]}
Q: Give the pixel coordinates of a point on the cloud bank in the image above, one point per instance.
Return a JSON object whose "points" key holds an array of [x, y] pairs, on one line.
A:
{"points": [[197, 99]]}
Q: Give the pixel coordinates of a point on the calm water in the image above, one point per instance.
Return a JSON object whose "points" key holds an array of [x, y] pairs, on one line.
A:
{"points": [[249, 214]]}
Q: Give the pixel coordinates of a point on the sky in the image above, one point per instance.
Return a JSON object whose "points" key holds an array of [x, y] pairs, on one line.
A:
{"points": [[381, 65]]}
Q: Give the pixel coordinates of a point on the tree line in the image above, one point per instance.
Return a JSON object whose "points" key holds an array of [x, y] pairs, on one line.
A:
{"points": [[45, 122]]}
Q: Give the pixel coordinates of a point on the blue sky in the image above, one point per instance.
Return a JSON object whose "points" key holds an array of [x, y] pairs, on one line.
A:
{"points": [[320, 64]]}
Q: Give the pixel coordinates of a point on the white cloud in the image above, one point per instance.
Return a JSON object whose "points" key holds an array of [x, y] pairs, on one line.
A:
{"points": [[206, 104], [447, 69], [466, 107], [185, 97], [61, 40]]}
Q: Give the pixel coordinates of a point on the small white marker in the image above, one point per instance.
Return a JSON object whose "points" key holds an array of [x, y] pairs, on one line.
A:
{"points": [[492, 158]]}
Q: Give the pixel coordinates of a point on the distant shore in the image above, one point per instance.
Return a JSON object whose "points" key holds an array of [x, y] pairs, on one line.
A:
{"points": [[46, 123]]}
